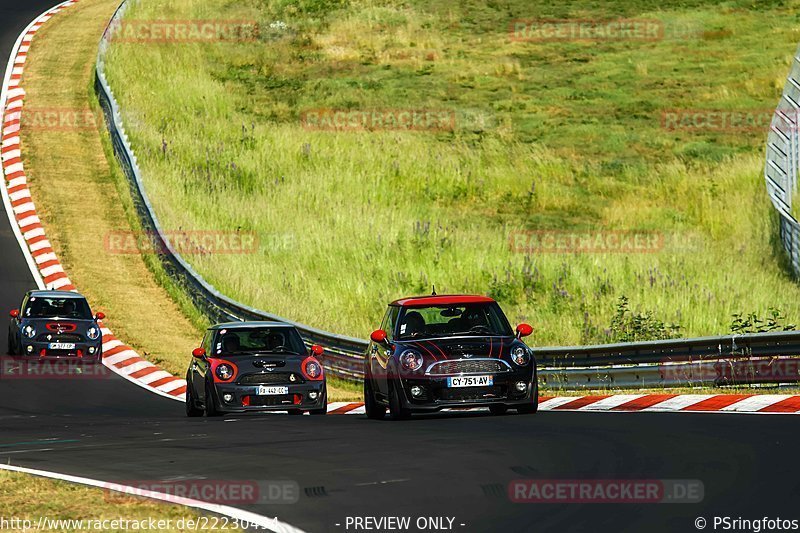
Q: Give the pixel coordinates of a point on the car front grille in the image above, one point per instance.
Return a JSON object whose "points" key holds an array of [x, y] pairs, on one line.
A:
{"points": [[472, 393], [468, 366], [270, 379], [59, 337]]}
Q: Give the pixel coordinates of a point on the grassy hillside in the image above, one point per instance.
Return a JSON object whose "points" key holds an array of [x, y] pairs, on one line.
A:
{"points": [[564, 135]]}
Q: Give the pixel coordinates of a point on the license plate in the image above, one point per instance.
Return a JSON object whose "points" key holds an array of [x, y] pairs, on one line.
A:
{"points": [[61, 346], [470, 381], [272, 391]]}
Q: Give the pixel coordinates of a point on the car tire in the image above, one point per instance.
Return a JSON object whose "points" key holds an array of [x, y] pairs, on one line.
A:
{"points": [[324, 409], [498, 409], [10, 350], [396, 409], [209, 407], [191, 406], [295, 412], [374, 410], [531, 408]]}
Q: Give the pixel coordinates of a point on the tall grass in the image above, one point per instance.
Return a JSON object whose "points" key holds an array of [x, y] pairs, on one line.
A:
{"points": [[554, 135]]}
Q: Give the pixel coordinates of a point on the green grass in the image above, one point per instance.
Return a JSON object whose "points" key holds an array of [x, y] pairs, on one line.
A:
{"points": [[549, 135], [25, 497]]}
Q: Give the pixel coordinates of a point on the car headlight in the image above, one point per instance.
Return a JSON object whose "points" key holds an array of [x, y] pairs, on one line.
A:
{"points": [[93, 333], [29, 331], [224, 372], [313, 369], [520, 356], [411, 360]]}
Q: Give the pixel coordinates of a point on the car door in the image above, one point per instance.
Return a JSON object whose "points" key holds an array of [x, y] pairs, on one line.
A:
{"points": [[200, 368], [380, 354]]}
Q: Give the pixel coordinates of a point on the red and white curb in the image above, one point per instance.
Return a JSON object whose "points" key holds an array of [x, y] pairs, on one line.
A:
{"points": [[648, 403], [42, 260]]}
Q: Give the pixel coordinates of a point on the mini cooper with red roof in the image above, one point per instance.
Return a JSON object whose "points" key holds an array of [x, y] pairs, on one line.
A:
{"points": [[255, 366], [436, 352], [55, 324]]}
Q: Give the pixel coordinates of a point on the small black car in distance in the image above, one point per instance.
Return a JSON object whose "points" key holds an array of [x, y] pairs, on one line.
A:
{"points": [[55, 324], [436, 352], [255, 366]]}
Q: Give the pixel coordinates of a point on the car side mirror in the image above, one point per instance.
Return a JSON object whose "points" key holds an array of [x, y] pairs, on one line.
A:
{"points": [[14, 313], [523, 330], [317, 350], [199, 353], [378, 336], [100, 315]]}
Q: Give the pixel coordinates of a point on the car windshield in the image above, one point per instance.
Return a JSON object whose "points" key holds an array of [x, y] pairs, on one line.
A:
{"points": [[47, 307], [258, 340], [445, 320]]}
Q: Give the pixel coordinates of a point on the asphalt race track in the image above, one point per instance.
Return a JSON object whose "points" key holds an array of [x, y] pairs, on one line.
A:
{"points": [[450, 465]]}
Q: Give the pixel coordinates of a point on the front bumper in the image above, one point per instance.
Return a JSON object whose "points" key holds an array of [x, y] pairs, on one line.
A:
{"points": [[436, 395], [86, 351], [244, 398]]}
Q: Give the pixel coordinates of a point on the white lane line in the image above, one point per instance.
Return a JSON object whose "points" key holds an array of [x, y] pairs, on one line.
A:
{"points": [[261, 522]]}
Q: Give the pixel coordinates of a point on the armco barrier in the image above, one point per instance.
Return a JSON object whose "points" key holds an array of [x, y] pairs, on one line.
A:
{"points": [[681, 362]]}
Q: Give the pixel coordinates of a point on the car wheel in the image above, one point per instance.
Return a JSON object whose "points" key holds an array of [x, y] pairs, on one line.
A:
{"points": [[530, 408], [498, 409], [191, 407], [374, 410], [324, 409], [396, 410], [10, 350], [209, 407]]}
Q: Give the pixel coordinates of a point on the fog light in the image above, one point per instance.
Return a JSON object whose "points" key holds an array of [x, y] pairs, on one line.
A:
{"points": [[227, 397], [521, 386], [29, 349], [91, 349], [416, 391], [313, 395]]}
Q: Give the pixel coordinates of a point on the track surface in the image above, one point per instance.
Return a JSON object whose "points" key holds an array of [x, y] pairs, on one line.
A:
{"points": [[455, 465]]}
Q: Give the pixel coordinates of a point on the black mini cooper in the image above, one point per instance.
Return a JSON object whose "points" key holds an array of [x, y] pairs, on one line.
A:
{"points": [[255, 366], [55, 324], [436, 352]]}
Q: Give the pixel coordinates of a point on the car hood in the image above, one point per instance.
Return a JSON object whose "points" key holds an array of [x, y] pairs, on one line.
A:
{"points": [[461, 347]]}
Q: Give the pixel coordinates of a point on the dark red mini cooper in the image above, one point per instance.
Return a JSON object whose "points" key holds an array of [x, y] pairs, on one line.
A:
{"points": [[436, 352]]}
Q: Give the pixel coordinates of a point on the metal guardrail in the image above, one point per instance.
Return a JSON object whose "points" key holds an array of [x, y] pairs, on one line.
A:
{"points": [[781, 165], [724, 360]]}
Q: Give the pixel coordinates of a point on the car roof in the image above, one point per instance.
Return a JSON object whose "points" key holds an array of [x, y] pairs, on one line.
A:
{"points": [[55, 294], [441, 299], [253, 324]]}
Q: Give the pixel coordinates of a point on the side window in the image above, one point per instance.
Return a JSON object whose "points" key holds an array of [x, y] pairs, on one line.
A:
{"points": [[207, 342], [391, 321]]}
